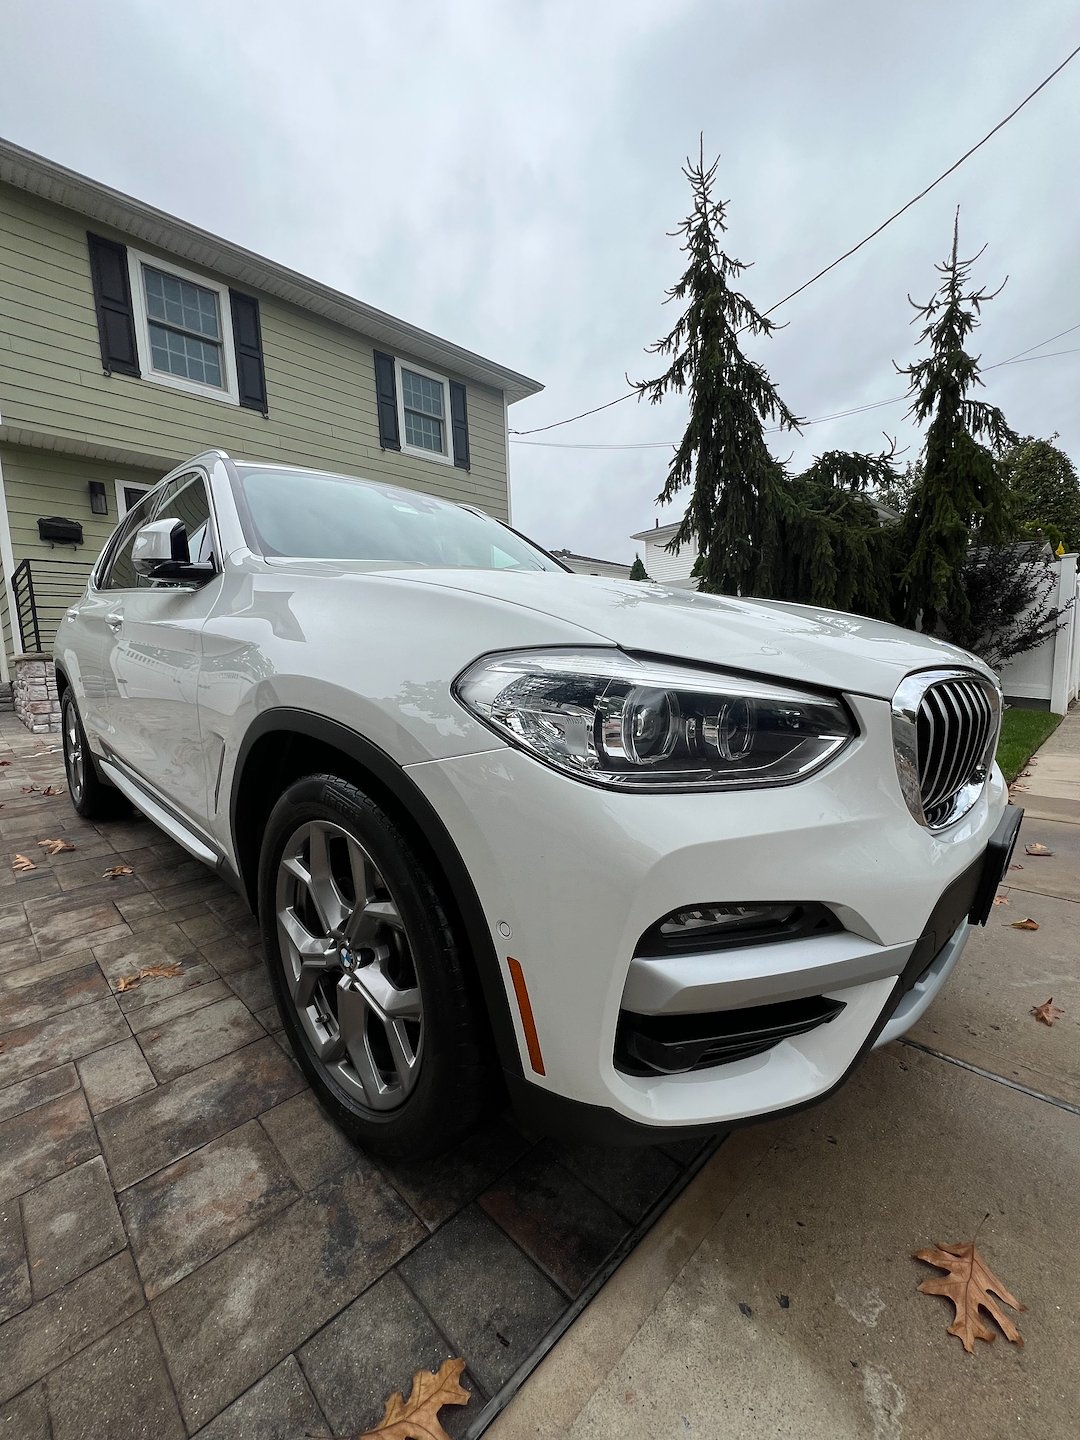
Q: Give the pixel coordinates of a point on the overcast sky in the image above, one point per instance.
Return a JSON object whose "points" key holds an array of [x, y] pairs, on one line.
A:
{"points": [[504, 174]]}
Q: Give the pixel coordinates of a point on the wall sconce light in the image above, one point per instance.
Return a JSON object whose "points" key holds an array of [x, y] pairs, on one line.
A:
{"points": [[99, 502]]}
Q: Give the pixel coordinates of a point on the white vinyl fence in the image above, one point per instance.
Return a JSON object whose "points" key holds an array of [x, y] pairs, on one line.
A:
{"points": [[1051, 674]]}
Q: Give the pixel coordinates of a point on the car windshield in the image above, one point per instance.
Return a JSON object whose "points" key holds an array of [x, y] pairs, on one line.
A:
{"points": [[301, 513]]}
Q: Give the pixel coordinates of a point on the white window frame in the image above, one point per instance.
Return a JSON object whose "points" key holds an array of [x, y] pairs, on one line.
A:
{"points": [[121, 485], [406, 449], [230, 394]]}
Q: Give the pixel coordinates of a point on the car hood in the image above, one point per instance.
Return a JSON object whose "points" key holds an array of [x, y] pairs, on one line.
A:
{"points": [[802, 643]]}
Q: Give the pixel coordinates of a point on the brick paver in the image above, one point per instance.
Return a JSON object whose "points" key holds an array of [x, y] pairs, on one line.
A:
{"points": [[185, 1240]]}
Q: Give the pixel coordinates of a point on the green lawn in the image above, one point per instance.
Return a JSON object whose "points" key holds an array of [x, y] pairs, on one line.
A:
{"points": [[1022, 732]]}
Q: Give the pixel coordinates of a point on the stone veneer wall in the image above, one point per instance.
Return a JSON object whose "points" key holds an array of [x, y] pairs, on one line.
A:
{"points": [[33, 689]]}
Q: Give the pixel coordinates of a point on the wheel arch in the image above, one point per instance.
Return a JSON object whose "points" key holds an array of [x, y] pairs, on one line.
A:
{"points": [[280, 746]]}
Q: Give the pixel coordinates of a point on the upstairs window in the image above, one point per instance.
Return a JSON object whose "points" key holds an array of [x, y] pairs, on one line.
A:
{"points": [[182, 321], [423, 400]]}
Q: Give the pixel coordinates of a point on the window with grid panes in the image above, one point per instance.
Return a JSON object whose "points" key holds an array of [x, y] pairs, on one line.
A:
{"points": [[424, 403], [184, 325]]}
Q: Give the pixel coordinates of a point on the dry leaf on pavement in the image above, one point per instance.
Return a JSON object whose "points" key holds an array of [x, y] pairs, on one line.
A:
{"points": [[1037, 848], [5, 762], [971, 1285], [53, 790], [1027, 924], [29, 789], [54, 847], [1001, 899], [1047, 1012], [417, 1418], [1016, 865], [115, 870], [23, 862], [148, 972]]}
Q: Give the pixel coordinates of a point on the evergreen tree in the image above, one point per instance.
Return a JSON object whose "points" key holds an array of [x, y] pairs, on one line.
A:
{"points": [[1044, 491], [961, 494], [637, 570], [837, 547], [737, 487]]}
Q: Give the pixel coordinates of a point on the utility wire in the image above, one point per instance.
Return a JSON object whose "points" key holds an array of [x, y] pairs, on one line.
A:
{"points": [[555, 424], [1023, 358]]}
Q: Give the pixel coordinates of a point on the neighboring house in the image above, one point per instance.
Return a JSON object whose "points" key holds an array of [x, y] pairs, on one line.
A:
{"points": [[660, 563], [130, 340], [586, 565]]}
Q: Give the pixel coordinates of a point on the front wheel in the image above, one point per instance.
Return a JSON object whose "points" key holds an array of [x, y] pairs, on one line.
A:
{"points": [[366, 972]]}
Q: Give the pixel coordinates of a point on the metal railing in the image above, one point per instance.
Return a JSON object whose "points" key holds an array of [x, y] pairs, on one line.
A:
{"points": [[43, 590]]}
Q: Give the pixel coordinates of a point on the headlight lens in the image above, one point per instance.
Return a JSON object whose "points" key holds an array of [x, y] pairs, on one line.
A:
{"points": [[631, 724]]}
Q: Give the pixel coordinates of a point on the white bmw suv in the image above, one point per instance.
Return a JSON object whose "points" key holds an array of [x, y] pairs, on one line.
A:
{"points": [[652, 861]]}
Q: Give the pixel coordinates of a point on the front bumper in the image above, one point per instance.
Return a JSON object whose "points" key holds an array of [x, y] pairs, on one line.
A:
{"points": [[570, 877]]}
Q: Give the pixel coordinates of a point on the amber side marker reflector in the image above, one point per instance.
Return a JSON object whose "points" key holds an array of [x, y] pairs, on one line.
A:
{"points": [[528, 1024]]}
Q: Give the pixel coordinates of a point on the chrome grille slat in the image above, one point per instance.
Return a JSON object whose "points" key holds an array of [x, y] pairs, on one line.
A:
{"points": [[952, 719]]}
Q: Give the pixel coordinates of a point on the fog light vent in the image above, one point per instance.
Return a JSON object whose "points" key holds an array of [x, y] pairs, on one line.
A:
{"points": [[675, 1044], [698, 929]]}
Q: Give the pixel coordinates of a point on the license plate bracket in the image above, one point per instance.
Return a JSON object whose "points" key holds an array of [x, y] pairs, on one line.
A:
{"points": [[996, 859]]}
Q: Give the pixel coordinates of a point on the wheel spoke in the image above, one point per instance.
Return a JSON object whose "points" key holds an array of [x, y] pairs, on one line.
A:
{"points": [[353, 1017], [369, 919], [316, 956], [329, 902]]}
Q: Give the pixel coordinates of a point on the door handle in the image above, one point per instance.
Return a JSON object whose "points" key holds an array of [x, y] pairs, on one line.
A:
{"points": [[114, 620]]}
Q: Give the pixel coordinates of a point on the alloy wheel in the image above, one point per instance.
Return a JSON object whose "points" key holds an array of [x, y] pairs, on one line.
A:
{"points": [[73, 753], [349, 965]]}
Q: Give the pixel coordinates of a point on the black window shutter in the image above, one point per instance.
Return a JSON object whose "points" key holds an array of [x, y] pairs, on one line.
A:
{"points": [[386, 401], [112, 301], [247, 339], [459, 424]]}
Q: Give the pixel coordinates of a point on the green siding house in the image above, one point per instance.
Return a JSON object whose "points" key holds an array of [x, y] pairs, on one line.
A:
{"points": [[130, 340]]}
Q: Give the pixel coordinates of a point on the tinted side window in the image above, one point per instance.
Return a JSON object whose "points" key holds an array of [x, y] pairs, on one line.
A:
{"points": [[119, 572], [186, 500]]}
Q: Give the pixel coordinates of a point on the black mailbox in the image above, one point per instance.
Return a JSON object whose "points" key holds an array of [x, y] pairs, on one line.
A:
{"points": [[59, 531]]}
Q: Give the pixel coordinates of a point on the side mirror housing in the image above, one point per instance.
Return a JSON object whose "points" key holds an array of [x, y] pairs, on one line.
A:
{"points": [[161, 552]]}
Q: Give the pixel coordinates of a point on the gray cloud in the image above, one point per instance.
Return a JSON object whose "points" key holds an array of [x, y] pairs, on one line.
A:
{"points": [[505, 174]]}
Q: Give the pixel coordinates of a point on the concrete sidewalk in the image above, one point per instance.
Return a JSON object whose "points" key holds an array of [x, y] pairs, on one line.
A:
{"points": [[778, 1296]]}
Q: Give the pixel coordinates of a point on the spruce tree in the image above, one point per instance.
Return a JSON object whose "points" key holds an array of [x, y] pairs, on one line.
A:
{"points": [[637, 570], [960, 496], [837, 547], [737, 487]]}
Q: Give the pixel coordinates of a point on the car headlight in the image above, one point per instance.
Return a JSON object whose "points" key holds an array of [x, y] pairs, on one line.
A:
{"points": [[611, 719]]}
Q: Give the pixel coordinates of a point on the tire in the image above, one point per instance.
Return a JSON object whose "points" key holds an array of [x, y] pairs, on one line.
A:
{"points": [[375, 998], [91, 797]]}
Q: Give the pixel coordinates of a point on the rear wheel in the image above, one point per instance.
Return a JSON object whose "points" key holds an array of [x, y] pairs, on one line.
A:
{"points": [[90, 796], [366, 972]]}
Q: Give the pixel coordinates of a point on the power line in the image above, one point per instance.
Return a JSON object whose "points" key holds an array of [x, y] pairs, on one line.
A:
{"points": [[555, 424], [1023, 358]]}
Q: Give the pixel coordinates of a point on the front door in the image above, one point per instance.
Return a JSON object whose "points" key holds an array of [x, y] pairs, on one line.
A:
{"points": [[153, 671]]}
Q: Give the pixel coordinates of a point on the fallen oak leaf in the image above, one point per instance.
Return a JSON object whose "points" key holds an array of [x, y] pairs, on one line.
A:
{"points": [[1037, 848], [22, 862], [971, 1285], [148, 972], [1001, 899], [116, 870], [56, 847], [417, 1418], [1027, 924], [1047, 1012]]}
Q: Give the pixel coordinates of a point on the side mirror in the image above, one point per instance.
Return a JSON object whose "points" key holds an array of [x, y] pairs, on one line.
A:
{"points": [[161, 552]]}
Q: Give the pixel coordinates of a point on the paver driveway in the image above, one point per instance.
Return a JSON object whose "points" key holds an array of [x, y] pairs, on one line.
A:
{"points": [[186, 1243]]}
